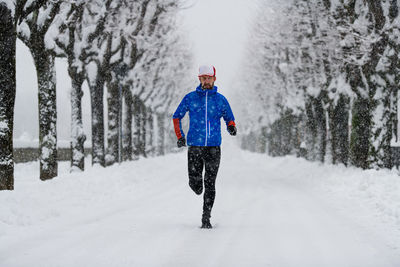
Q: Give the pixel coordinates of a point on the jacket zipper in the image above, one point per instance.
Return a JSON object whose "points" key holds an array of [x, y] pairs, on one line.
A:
{"points": [[206, 118]]}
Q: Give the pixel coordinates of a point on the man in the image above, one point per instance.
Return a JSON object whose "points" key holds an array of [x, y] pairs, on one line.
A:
{"points": [[205, 107]]}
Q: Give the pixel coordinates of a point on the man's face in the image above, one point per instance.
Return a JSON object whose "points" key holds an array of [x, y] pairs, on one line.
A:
{"points": [[207, 82]]}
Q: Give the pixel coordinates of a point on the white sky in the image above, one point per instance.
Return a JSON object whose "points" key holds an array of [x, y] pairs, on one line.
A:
{"points": [[216, 28]]}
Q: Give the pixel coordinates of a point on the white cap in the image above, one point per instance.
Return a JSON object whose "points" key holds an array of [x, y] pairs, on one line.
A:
{"points": [[207, 70]]}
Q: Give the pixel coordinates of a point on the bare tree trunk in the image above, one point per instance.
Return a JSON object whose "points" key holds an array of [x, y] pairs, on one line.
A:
{"points": [[143, 131], [170, 136], [310, 132], [7, 97], [113, 123], [340, 135], [161, 134], [136, 132], [150, 149], [77, 133], [46, 75], [320, 120], [97, 110], [139, 135], [127, 129], [364, 104]]}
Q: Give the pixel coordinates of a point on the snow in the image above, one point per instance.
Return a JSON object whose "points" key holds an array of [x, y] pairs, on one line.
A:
{"points": [[51, 35], [91, 70], [43, 15], [394, 143], [29, 3], [303, 145], [24, 30], [3, 128], [268, 212], [77, 155], [45, 153], [10, 4]]}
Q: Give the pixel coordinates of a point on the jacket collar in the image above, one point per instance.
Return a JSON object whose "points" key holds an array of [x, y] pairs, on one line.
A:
{"points": [[200, 90]]}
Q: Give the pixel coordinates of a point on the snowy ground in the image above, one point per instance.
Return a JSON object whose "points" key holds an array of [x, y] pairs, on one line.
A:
{"points": [[268, 212]]}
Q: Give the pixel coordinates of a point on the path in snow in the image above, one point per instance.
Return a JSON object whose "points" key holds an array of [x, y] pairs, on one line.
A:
{"points": [[267, 213]]}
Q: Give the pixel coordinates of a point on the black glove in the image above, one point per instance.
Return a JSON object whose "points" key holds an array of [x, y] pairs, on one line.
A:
{"points": [[232, 130], [181, 142]]}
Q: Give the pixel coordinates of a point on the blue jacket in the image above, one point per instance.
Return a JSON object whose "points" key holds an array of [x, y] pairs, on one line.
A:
{"points": [[206, 107]]}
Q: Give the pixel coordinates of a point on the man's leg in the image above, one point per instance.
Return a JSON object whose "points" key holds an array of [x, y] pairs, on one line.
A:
{"points": [[195, 169], [212, 160]]}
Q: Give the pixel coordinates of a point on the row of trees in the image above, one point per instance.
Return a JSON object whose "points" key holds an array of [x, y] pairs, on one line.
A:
{"points": [[133, 49], [327, 75]]}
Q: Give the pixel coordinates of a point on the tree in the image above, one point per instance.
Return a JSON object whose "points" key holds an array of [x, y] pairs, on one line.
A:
{"points": [[10, 13], [130, 18], [81, 34], [33, 31], [343, 55], [158, 52], [385, 80]]}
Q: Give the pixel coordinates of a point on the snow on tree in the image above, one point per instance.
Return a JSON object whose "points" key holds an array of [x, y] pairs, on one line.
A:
{"points": [[151, 76], [331, 64], [82, 32], [385, 81], [128, 18], [168, 75], [10, 13], [33, 31]]}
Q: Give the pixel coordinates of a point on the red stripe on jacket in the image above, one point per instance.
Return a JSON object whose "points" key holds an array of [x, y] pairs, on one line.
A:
{"points": [[231, 123], [177, 128]]}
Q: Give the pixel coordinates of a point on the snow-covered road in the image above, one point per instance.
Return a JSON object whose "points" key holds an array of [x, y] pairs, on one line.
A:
{"points": [[268, 212]]}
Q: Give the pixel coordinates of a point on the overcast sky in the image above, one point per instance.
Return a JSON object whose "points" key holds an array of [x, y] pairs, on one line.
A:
{"points": [[217, 30]]}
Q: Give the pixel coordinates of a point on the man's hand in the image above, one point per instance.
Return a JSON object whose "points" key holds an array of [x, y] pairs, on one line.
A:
{"points": [[232, 130], [181, 142]]}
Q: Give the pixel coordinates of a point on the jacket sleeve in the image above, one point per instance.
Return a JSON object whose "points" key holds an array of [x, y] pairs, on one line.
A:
{"points": [[227, 113], [178, 115]]}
